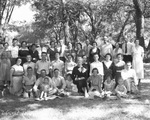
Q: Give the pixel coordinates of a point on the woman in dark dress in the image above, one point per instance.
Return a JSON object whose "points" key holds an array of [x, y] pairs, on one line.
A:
{"points": [[79, 51], [94, 50], [23, 52], [108, 66], [34, 53], [51, 51], [79, 76]]}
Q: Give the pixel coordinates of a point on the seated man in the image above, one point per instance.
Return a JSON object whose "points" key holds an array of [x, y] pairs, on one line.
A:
{"points": [[39, 83], [59, 81], [128, 75]]}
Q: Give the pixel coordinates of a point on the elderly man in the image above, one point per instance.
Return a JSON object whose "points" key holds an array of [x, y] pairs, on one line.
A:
{"points": [[129, 77]]}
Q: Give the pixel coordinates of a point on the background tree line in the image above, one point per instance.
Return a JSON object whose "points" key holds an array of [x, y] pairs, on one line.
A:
{"points": [[75, 20]]}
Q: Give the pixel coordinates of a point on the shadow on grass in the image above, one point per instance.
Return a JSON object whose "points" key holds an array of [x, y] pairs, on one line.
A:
{"points": [[14, 107]]}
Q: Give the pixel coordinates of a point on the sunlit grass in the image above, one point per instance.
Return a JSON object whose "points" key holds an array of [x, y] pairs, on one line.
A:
{"points": [[77, 109]]}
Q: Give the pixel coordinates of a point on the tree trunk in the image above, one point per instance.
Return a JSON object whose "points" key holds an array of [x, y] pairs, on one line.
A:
{"points": [[123, 27], [139, 21]]}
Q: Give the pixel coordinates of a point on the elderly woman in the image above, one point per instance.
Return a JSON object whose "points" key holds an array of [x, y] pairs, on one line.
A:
{"points": [[16, 77], [79, 76]]}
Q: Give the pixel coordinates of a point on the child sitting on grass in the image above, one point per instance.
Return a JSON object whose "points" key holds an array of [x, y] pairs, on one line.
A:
{"points": [[28, 83], [121, 90], [45, 88], [109, 86]]}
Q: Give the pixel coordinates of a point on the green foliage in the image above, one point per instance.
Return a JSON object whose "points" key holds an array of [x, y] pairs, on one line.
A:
{"points": [[82, 19]]}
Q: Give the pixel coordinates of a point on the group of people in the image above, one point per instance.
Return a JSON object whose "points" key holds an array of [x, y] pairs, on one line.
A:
{"points": [[57, 69]]}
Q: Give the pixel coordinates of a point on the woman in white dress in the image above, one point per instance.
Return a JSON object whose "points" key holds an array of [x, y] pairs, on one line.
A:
{"points": [[138, 55], [97, 64], [16, 77]]}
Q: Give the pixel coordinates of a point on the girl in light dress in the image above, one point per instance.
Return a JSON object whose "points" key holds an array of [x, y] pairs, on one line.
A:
{"points": [[96, 84], [16, 77], [109, 86], [121, 90]]}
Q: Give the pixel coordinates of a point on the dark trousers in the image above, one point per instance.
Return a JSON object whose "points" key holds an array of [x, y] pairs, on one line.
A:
{"points": [[117, 77], [127, 58]]}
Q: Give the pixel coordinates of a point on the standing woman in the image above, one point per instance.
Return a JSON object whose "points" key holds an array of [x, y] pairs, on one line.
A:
{"points": [[138, 55], [34, 53], [80, 51], [23, 52], [16, 77], [69, 64], [116, 51], [51, 51], [119, 66], [94, 50]]}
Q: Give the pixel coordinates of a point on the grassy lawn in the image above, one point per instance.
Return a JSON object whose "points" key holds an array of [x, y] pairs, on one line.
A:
{"points": [[12, 108], [78, 109]]}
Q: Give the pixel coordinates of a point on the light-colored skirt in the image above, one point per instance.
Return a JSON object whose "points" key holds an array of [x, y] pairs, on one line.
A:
{"points": [[16, 88]]}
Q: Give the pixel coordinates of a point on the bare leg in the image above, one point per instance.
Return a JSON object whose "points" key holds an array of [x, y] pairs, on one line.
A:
{"points": [[42, 94]]}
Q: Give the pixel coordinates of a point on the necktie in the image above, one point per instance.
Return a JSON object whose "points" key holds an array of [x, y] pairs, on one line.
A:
{"points": [[125, 47]]}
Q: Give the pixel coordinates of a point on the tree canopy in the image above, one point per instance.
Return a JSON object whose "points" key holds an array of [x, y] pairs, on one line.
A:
{"points": [[75, 20]]}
